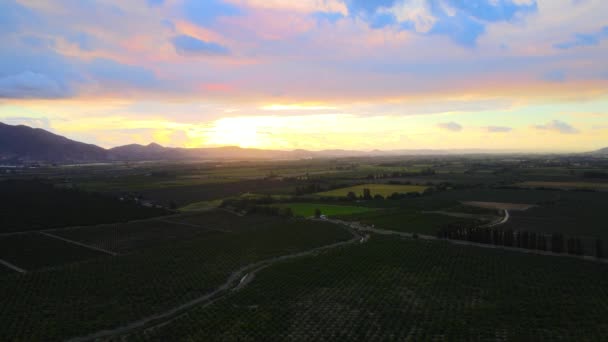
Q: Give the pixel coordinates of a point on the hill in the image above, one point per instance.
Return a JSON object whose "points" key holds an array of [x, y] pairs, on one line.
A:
{"points": [[32, 144], [603, 151]]}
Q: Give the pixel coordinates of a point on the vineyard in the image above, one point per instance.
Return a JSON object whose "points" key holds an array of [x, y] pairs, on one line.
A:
{"points": [[107, 292], [35, 205], [308, 209], [35, 251], [391, 289], [406, 220], [127, 237]]}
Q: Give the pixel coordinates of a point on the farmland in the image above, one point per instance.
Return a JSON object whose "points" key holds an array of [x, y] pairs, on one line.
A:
{"points": [[384, 190], [188, 262], [104, 293], [34, 251], [35, 205], [566, 185], [308, 209], [405, 289], [406, 220]]}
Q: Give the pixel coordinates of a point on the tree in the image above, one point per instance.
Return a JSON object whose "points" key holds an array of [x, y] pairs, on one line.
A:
{"points": [[317, 213], [172, 205], [351, 196], [599, 248], [287, 212], [367, 194]]}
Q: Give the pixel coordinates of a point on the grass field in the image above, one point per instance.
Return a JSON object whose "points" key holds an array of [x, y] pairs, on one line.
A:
{"points": [[405, 220], [105, 293], [499, 205], [34, 251], [565, 185], [204, 205], [409, 290], [308, 209], [376, 189]]}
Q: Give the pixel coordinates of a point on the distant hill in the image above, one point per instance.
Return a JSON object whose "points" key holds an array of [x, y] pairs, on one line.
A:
{"points": [[601, 151], [33, 144], [26, 144]]}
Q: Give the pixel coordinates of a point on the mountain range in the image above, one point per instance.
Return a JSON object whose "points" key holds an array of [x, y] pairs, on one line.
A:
{"points": [[26, 144]]}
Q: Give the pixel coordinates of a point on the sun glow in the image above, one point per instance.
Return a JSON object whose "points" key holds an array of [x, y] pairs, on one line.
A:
{"points": [[235, 132]]}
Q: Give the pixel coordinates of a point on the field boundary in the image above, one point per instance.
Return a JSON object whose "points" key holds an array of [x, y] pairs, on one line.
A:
{"points": [[360, 227], [237, 280], [78, 243], [12, 267], [156, 218]]}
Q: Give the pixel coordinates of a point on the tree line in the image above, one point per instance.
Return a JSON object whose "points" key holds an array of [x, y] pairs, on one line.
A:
{"points": [[556, 243]]}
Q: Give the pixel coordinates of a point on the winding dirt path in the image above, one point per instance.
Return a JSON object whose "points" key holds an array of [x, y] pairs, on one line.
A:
{"points": [[12, 267], [502, 221], [236, 281], [364, 228]]}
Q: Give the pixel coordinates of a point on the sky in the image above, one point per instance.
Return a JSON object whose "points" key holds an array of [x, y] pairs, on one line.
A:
{"points": [[517, 75]]}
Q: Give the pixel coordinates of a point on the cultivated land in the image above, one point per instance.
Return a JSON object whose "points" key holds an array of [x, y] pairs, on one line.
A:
{"points": [[36, 251], [308, 209], [105, 293], [98, 267], [375, 189], [566, 185], [497, 205], [407, 220], [392, 289]]}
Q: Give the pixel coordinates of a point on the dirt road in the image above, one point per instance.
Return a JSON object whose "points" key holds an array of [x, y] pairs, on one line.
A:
{"points": [[236, 281]]}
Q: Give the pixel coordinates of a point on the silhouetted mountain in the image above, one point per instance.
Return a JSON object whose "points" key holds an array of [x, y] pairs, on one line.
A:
{"points": [[601, 151], [22, 143]]}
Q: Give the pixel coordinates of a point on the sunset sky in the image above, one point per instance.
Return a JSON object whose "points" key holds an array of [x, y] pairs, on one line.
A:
{"points": [[283, 74]]}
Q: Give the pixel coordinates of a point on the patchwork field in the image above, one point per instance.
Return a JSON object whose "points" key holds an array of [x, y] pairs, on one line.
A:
{"points": [[375, 189], [390, 289], [308, 209]]}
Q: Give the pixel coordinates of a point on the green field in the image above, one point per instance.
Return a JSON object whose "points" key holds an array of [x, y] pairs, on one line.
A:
{"points": [[104, 293], [308, 209], [376, 189], [401, 290], [204, 205]]}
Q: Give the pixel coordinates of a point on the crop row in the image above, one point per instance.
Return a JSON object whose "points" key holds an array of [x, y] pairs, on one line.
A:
{"points": [[35, 251], [391, 289], [104, 293]]}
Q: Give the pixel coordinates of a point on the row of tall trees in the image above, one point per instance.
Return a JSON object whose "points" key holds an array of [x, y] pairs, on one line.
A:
{"points": [[557, 243]]}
